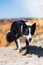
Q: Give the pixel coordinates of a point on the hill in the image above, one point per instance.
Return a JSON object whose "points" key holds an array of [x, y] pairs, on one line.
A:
{"points": [[5, 25]]}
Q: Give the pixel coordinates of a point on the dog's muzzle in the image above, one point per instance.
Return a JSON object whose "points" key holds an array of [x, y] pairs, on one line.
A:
{"points": [[29, 40]]}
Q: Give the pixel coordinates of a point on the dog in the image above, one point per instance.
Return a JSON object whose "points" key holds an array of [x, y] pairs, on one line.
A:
{"points": [[19, 29]]}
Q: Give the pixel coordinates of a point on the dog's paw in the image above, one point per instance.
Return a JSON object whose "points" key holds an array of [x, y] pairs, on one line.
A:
{"points": [[20, 50]]}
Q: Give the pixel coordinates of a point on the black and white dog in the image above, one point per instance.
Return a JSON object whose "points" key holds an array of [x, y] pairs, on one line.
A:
{"points": [[21, 28]]}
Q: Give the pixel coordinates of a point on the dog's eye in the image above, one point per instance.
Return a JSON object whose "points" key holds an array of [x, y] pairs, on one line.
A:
{"points": [[27, 30]]}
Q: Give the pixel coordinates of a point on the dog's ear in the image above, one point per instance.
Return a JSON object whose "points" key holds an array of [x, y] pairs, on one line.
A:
{"points": [[33, 28]]}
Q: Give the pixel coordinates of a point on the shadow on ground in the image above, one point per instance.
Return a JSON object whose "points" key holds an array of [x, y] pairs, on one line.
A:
{"points": [[34, 50]]}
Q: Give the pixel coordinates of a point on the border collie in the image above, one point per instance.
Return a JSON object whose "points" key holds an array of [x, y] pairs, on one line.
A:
{"points": [[21, 28]]}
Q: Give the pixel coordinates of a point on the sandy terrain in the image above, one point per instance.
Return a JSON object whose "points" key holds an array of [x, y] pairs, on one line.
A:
{"points": [[10, 56]]}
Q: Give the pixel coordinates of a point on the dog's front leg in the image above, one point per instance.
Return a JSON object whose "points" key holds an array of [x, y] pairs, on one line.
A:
{"points": [[16, 44], [27, 46], [19, 45]]}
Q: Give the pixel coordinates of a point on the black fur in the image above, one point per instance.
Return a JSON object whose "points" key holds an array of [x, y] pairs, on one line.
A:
{"points": [[16, 32]]}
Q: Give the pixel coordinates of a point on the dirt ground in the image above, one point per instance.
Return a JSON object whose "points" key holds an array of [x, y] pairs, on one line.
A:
{"points": [[10, 56]]}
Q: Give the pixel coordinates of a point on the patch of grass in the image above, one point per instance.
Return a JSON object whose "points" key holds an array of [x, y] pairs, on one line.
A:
{"points": [[35, 40]]}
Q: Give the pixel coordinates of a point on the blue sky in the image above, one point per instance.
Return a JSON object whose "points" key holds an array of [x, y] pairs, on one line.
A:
{"points": [[21, 8]]}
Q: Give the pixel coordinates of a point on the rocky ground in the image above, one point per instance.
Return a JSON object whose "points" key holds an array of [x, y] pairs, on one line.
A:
{"points": [[10, 56]]}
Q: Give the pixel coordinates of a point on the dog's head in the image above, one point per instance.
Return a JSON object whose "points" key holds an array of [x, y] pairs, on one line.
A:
{"points": [[28, 31]]}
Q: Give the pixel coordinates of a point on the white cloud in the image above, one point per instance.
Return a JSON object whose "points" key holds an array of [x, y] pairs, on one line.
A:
{"points": [[34, 7]]}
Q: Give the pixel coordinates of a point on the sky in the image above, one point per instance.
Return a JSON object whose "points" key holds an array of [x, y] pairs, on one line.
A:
{"points": [[21, 8]]}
